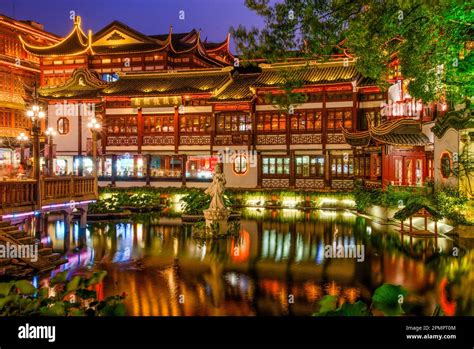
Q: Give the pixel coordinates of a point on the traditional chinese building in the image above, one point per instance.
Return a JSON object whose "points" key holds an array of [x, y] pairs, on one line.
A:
{"points": [[171, 105], [19, 70], [391, 145], [119, 48]]}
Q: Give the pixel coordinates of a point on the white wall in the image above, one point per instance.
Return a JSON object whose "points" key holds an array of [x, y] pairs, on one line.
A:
{"points": [[246, 180], [448, 143], [68, 144]]}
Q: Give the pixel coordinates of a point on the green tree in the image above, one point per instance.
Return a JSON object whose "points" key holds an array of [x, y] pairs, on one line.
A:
{"points": [[432, 39]]}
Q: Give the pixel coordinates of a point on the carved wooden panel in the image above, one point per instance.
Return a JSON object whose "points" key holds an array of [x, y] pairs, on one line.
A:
{"points": [[336, 138], [195, 140], [309, 183], [306, 139], [158, 140], [271, 139], [223, 140], [342, 184], [122, 140], [235, 139], [275, 182]]}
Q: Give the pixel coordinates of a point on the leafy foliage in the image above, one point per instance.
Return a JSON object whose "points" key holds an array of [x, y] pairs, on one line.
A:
{"points": [[196, 201], [73, 297], [451, 203], [387, 299], [429, 38]]}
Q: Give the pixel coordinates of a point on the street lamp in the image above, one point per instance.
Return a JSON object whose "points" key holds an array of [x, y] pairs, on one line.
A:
{"points": [[95, 127], [50, 133], [36, 115], [22, 138]]}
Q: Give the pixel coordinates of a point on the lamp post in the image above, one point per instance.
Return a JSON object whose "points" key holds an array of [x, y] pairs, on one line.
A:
{"points": [[95, 127], [22, 138], [36, 115], [50, 133]]}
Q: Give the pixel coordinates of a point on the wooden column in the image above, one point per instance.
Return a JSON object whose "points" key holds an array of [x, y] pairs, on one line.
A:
{"points": [[354, 109], [148, 169], [253, 116], [259, 169], [176, 129], [183, 172], [324, 132], [327, 168], [292, 169], [140, 130], [80, 167], [114, 170], [324, 128], [213, 129]]}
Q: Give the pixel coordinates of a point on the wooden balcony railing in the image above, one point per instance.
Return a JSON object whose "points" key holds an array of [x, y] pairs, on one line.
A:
{"points": [[17, 193], [21, 195], [67, 187]]}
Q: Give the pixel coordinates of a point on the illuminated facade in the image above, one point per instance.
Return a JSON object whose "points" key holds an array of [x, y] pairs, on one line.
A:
{"points": [[171, 105], [19, 70]]}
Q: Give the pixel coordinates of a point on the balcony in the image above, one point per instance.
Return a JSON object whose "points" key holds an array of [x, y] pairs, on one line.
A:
{"points": [[18, 196]]}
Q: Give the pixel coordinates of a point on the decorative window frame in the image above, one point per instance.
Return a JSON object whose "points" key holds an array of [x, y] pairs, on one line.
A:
{"points": [[450, 157], [66, 125]]}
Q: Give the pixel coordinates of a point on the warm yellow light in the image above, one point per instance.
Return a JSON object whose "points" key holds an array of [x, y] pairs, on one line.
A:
{"points": [[41, 114], [30, 113], [50, 132], [22, 137]]}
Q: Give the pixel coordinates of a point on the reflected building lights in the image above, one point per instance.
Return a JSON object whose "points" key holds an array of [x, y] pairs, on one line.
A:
{"points": [[277, 246]]}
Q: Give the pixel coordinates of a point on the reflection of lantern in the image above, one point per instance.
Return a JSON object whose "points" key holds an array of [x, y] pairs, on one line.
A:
{"points": [[99, 289], [351, 294], [241, 252], [449, 308], [312, 291], [332, 289]]}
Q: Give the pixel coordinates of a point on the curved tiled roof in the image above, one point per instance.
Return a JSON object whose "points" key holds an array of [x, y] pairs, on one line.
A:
{"points": [[308, 74], [397, 132], [168, 83], [75, 43], [239, 89], [82, 84]]}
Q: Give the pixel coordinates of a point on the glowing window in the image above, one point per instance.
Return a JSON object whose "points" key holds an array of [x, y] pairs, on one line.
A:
{"points": [[240, 164]]}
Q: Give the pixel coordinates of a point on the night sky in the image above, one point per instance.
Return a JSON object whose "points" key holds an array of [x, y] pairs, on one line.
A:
{"points": [[213, 17]]}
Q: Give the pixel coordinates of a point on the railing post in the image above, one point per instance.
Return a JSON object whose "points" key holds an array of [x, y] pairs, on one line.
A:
{"points": [[40, 189], [71, 188]]}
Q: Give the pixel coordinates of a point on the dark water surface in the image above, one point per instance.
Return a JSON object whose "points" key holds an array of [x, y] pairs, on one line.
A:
{"points": [[277, 264]]}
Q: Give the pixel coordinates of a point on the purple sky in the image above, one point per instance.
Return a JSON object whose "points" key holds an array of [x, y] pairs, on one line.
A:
{"points": [[214, 17]]}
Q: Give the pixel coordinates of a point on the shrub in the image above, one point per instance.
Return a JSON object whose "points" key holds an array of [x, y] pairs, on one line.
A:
{"points": [[73, 297], [451, 203]]}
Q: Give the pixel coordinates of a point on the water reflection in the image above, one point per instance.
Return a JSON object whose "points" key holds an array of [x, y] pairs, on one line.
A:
{"points": [[276, 266]]}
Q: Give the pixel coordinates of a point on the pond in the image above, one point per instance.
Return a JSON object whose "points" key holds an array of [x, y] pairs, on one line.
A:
{"points": [[280, 262]]}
